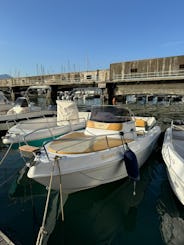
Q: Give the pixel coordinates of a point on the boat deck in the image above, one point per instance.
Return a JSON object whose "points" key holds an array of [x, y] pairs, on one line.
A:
{"points": [[78, 143]]}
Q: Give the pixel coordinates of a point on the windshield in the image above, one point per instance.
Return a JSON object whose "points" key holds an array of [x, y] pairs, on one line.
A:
{"points": [[40, 90], [110, 114], [21, 101]]}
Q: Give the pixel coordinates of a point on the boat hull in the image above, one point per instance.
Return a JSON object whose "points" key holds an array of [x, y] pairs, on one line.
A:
{"points": [[89, 170], [7, 121], [174, 162], [36, 132], [41, 137]]}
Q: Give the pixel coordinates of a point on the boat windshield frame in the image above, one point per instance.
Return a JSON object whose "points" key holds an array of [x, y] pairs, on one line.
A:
{"points": [[3, 99], [22, 102], [34, 90], [110, 114]]}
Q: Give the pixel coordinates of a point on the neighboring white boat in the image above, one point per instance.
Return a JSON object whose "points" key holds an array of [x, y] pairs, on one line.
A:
{"points": [[40, 95], [22, 110], [36, 131], [98, 154], [173, 155], [38, 90]]}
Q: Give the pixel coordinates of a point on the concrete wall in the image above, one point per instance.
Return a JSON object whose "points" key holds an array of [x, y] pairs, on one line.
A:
{"points": [[166, 64], [161, 88]]}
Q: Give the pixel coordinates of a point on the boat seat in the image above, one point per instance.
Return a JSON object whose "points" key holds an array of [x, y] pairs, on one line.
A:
{"points": [[82, 143], [28, 151], [97, 128], [28, 148], [141, 126], [140, 123], [104, 125]]}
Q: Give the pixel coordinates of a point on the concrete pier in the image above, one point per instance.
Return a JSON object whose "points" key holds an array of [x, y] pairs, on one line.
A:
{"points": [[149, 76]]}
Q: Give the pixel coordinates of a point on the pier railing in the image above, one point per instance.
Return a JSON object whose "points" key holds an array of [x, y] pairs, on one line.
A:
{"points": [[27, 81], [143, 76], [66, 80]]}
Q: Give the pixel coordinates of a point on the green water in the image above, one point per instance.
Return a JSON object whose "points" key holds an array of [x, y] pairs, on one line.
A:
{"points": [[109, 214]]}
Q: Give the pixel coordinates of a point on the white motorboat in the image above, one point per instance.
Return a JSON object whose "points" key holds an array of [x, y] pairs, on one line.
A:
{"points": [[36, 131], [113, 145], [173, 155], [39, 94], [21, 110]]}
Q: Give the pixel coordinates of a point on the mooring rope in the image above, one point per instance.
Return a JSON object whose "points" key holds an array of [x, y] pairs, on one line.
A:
{"points": [[5, 155], [60, 189], [42, 230]]}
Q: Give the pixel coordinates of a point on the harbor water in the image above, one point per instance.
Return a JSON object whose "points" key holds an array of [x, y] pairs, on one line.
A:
{"points": [[106, 215]]}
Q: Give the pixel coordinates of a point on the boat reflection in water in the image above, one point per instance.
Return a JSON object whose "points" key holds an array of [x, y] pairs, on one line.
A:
{"points": [[107, 214], [102, 214], [171, 216]]}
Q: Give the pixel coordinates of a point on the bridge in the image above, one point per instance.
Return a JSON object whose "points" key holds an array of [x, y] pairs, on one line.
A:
{"points": [[150, 76]]}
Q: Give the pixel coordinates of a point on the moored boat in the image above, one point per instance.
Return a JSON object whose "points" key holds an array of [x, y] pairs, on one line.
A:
{"points": [[38, 130], [173, 155], [5, 104], [22, 110], [114, 145]]}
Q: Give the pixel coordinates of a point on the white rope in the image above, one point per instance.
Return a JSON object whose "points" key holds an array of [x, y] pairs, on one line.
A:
{"points": [[60, 189], [134, 192], [6, 154], [8, 179], [42, 230]]}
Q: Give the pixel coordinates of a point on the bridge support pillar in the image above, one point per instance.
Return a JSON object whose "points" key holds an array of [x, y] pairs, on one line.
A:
{"points": [[54, 94], [111, 92]]}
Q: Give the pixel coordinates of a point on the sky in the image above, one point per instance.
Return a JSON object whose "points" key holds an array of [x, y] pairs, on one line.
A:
{"points": [[57, 36]]}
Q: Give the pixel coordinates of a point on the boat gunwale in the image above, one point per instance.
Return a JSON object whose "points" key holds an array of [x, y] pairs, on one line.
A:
{"points": [[171, 150]]}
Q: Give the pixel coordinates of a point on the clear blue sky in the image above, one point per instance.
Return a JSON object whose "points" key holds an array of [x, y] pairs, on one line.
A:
{"points": [[54, 36]]}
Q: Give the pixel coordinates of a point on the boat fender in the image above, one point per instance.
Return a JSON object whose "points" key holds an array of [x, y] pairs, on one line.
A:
{"points": [[132, 166]]}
